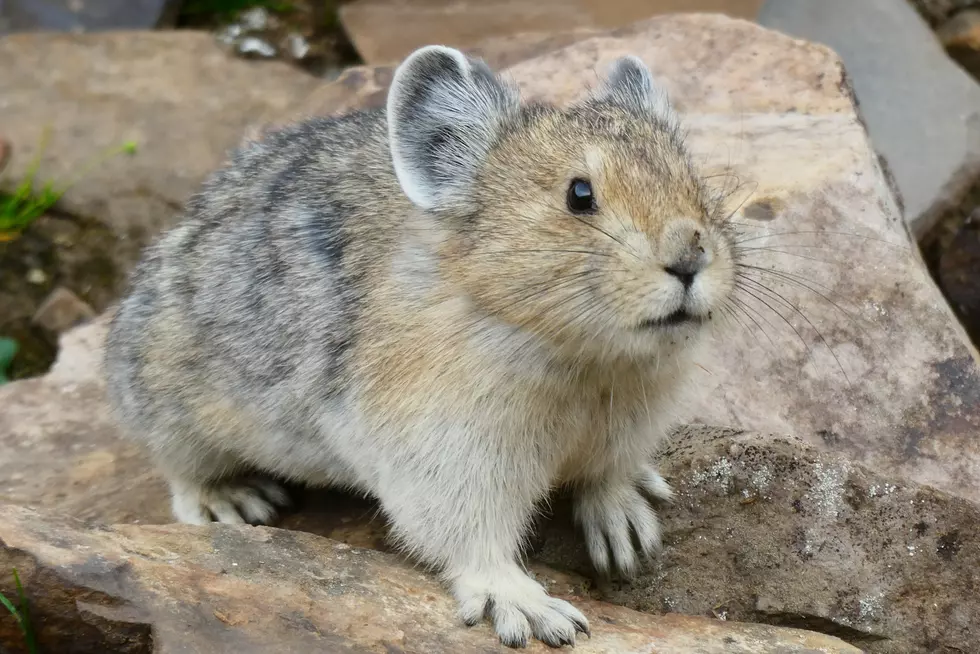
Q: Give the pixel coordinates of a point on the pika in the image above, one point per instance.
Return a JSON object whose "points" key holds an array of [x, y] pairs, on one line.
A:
{"points": [[455, 304]]}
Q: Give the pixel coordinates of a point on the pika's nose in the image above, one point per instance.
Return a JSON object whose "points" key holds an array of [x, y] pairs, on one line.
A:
{"points": [[685, 270], [691, 260]]}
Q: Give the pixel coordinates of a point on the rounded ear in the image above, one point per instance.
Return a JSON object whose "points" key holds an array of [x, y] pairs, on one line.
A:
{"points": [[444, 113], [630, 83]]}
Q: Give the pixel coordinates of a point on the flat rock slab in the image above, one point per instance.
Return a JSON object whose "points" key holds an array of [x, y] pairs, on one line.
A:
{"points": [[245, 589], [385, 31], [177, 95], [922, 110], [766, 529]]}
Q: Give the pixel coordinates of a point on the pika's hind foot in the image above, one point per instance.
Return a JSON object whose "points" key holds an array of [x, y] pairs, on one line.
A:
{"points": [[253, 501]]}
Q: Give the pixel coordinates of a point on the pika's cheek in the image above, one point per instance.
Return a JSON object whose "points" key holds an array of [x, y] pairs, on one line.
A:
{"points": [[715, 285]]}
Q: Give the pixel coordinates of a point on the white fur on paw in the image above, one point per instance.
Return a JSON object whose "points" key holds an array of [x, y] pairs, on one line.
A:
{"points": [[518, 608], [608, 515], [654, 485], [255, 502]]}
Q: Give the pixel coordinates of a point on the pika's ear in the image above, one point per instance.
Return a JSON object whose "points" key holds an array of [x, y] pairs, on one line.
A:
{"points": [[444, 113], [629, 83]]}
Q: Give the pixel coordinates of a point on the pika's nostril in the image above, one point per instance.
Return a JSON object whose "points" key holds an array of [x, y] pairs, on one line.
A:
{"points": [[685, 272]]}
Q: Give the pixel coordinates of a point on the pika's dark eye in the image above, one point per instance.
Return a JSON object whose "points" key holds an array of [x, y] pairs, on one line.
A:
{"points": [[580, 197]]}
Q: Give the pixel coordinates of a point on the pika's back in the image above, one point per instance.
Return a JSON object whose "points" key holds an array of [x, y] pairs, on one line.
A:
{"points": [[261, 284]]}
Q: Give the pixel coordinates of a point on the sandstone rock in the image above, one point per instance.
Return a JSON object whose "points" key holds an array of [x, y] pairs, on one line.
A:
{"points": [[960, 35], [385, 31], [765, 529], [902, 77], [62, 310], [258, 590], [177, 95]]}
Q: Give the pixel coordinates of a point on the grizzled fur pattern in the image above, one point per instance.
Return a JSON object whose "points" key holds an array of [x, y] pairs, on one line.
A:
{"points": [[403, 302]]}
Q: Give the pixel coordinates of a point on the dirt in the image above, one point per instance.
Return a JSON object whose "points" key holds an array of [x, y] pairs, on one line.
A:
{"points": [[55, 250], [951, 251]]}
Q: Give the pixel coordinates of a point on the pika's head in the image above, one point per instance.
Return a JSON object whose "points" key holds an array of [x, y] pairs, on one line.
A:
{"points": [[586, 225]]}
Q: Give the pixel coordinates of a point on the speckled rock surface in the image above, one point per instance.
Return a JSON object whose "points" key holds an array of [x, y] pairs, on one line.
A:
{"points": [[258, 590], [176, 94], [766, 529]]}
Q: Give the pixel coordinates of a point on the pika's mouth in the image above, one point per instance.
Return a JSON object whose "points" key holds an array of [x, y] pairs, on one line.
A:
{"points": [[679, 317]]}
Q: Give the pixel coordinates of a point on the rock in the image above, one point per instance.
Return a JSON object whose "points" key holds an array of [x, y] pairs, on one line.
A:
{"points": [[960, 35], [91, 15], [36, 276], [902, 77], [766, 529], [177, 95], [62, 310], [250, 590], [504, 51], [385, 31]]}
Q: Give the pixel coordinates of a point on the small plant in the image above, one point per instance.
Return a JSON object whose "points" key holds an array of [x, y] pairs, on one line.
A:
{"points": [[27, 203], [8, 349], [21, 615]]}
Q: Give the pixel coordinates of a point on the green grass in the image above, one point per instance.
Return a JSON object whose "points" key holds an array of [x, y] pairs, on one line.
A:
{"points": [[21, 615], [8, 349], [30, 200]]}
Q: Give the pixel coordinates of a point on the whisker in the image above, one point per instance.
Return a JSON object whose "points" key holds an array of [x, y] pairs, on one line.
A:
{"points": [[804, 283], [602, 231], [745, 310], [749, 251], [784, 319], [542, 251], [823, 232], [774, 294]]}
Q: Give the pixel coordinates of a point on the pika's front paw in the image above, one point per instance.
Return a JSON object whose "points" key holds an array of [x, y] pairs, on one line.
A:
{"points": [[519, 608], [255, 502], [608, 513]]}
